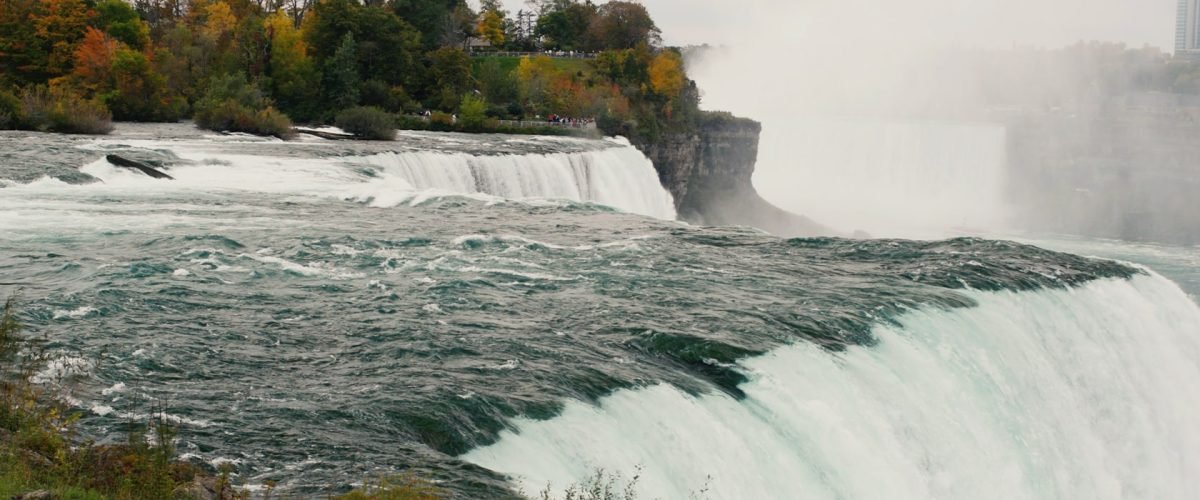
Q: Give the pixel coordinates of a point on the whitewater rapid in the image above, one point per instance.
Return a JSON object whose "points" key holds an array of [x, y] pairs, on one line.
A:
{"points": [[538, 171], [1079, 393]]}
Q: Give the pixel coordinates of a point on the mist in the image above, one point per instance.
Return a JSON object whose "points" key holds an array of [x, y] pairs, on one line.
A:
{"points": [[933, 118], [877, 115]]}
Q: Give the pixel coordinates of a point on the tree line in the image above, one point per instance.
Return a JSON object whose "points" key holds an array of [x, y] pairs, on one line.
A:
{"points": [[256, 65]]}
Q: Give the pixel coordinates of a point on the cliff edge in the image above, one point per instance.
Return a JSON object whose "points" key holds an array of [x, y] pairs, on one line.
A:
{"points": [[708, 170]]}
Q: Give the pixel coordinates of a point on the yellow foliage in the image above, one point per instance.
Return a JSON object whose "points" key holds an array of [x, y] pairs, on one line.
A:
{"points": [[218, 20], [491, 28], [61, 25], [282, 30], [666, 73], [536, 68]]}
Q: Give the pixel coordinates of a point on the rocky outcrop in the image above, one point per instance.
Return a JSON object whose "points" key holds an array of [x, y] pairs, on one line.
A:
{"points": [[709, 171]]}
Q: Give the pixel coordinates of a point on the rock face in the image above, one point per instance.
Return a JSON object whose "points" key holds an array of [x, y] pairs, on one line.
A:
{"points": [[709, 172]]}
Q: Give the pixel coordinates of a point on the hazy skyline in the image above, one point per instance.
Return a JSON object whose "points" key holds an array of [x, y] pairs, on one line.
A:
{"points": [[989, 23]]}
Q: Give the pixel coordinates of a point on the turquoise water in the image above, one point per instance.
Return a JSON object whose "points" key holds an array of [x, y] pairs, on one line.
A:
{"points": [[309, 335]]}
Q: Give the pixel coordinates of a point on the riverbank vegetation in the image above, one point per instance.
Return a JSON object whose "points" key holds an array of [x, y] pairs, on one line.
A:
{"points": [[41, 456], [256, 65]]}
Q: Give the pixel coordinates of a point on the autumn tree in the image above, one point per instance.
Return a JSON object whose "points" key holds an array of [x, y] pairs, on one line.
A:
{"points": [[219, 23], [61, 25], [184, 60], [23, 54], [491, 27], [293, 76], [534, 76], [139, 93], [94, 60], [666, 74]]}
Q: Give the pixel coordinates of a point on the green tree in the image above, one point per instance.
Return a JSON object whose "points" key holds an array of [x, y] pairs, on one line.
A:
{"points": [[123, 23], [472, 111], [327, 23], [565, 26], [293, 76], [388, 47], [139, 93], [183, 61], [450, 73], [498, 86], [623, 25], [23, 56], [340, 81], [434, 19]]}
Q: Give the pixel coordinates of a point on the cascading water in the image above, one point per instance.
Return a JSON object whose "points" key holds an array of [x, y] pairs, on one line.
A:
{"points": [[620, 177], [300, 331], [1087, 393], [412, 170]]}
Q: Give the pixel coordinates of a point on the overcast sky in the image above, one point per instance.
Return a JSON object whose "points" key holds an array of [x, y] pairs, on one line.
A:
{"points": [[991, 23]]}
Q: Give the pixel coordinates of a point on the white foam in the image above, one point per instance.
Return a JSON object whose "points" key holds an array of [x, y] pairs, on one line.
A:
{"points": [[1088, 393], [62, 368], [116, 388], [80, 312], [619, 177]]}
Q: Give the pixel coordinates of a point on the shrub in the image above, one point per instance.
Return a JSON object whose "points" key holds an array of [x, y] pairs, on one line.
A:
{"points": [[368, 122], [57, 109], [235, 105], [402, 487], [406, 122], [441, 118], [38, 450], [10, 109], [473, 111]]}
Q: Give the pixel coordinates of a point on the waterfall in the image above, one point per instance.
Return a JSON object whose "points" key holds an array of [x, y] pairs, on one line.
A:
{"points": [[1084, 393], [618, 176]]}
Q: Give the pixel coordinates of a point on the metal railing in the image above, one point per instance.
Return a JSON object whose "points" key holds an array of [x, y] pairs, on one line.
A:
{"points": [[585, 125], [556, 54]]}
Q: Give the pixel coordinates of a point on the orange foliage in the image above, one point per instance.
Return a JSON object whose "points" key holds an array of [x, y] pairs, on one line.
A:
{"points": [[60, 23], [666, 74], [94, 59]]}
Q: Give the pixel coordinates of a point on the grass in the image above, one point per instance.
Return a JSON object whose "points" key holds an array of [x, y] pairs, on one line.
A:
{"points": [[509, 64]]}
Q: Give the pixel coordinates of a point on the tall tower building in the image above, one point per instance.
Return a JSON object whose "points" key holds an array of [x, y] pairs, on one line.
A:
{"points": [[1187, 29]]}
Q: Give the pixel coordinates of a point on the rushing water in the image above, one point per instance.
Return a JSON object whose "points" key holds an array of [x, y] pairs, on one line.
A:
{"points": [[315, 312]]}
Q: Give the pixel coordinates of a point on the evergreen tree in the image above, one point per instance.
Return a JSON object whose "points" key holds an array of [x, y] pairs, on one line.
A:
{"points": [[341, 80]]}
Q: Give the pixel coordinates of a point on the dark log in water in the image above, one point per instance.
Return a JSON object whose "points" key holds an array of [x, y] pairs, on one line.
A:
{"points": [[139, 166], [333, 136]]}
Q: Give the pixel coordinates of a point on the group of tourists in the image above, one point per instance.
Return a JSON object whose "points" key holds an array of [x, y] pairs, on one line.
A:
{"points": [[570, 122]]}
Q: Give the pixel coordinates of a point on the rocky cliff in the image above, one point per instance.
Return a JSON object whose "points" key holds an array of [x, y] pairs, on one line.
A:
{"points": [[709, 171]]}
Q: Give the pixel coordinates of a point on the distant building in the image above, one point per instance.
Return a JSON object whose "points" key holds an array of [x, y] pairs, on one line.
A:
{"points": [[1187, 29], [476, 44]]}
